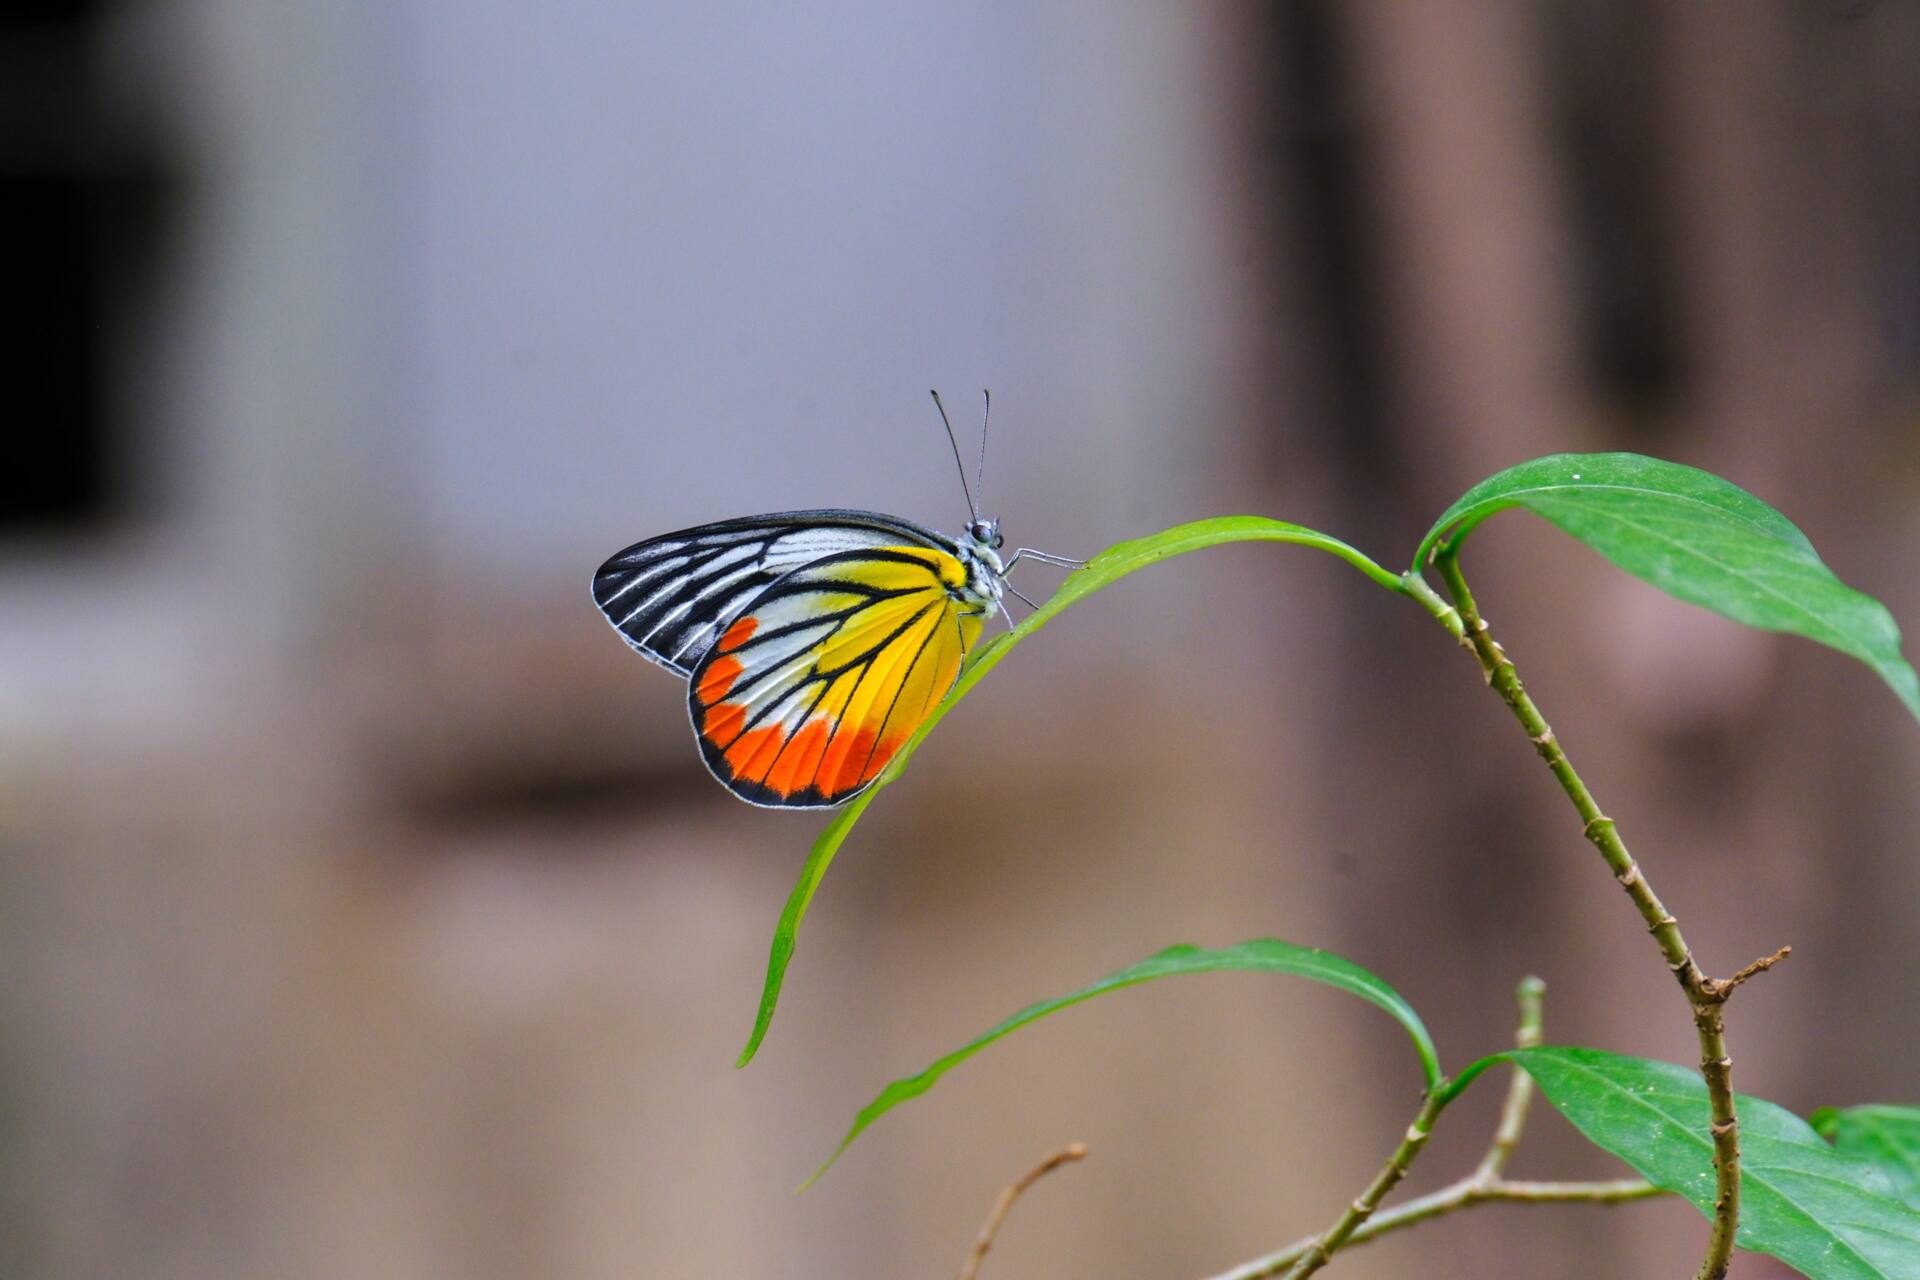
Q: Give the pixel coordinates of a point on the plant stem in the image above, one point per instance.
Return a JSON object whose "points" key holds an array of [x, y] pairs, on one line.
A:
{"points": [[1483, 1186], [1705, 995], [1464, 1194], [1320, 1251], [1530, 996]]}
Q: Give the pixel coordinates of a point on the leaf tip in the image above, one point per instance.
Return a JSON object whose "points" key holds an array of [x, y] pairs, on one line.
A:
{"points": [[758, 1034], [825, 1165]]}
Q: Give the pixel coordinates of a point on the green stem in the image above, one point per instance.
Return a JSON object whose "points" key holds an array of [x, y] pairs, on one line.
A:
{"points": [[1705, 995], [1355, 557], [1318, 1253], [1412, 584]]}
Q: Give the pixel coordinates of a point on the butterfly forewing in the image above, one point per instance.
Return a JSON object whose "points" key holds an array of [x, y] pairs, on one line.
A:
{"points": [[671, 597], [815, 685]]}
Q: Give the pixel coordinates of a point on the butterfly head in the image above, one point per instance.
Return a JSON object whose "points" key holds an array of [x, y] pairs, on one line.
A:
{"points": [[980, 552], [985, 534]]}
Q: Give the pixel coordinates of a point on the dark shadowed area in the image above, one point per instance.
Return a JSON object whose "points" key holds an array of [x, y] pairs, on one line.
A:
{"points": [[365, 909]]}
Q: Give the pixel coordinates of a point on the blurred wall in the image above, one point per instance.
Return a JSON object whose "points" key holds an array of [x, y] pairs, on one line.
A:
{"points": [[366, 907]]}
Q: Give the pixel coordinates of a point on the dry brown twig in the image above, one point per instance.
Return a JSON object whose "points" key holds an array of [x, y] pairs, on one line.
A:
{"points": [[1013, 1191]]}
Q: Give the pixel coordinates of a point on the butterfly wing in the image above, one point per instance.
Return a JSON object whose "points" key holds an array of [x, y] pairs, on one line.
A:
{"points": [[671, 597], [821, 679]]}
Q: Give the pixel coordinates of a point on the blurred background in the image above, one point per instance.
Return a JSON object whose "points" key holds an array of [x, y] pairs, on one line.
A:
{"points": [[365, 908]]}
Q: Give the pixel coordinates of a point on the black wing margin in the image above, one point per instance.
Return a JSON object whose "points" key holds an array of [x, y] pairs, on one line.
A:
{"points": [[671, 597]]}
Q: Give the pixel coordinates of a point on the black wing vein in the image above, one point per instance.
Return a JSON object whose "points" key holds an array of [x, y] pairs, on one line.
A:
{"points": [[673, 596]]}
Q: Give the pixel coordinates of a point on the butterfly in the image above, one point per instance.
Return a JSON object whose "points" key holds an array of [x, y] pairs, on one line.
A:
{"points": [[813, 643]]}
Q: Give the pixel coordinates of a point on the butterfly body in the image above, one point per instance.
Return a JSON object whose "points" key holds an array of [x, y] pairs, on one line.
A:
{"points": [[813, 642], [979, 551]]}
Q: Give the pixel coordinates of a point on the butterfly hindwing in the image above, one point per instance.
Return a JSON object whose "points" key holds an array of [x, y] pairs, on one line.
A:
{"points": [[671, 597], [817, 682]]}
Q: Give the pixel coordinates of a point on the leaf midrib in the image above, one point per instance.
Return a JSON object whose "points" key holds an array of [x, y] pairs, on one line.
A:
{"points": [[1824, 627], [1707, 1144], [1513, 498]]}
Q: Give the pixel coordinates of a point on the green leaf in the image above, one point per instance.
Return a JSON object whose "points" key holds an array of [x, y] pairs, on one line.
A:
{"points": [[1111, 565], [1888, 1137], [1262, 955], [1697, 537], [1829, 1215]]}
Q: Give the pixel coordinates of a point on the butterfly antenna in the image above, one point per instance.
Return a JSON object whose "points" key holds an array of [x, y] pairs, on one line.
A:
{"points": [[980, 472], [971, 509]]}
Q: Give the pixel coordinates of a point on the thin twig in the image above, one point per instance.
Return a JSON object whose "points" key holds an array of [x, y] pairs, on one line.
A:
{"points": [[1013, 1191], [1530, 996], [1705, 996], [1464, 1194], [1754, 970]]}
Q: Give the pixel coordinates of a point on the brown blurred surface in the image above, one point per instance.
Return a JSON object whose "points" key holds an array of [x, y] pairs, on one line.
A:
{"points": [[364, 907]]}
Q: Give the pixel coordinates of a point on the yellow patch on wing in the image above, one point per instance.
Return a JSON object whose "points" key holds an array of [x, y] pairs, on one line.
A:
{"points": [[810, 693]]}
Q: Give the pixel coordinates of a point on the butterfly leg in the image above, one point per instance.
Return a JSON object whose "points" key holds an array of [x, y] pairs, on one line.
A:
{"points": [[1017, 596], [1006, 614], [1042, 557]]}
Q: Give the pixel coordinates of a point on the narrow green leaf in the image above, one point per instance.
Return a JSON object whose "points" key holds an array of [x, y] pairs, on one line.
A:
{"points": [[1697, 537], [1262, 955], [1111, 565], [1825, 1213], [1888, 1137]]}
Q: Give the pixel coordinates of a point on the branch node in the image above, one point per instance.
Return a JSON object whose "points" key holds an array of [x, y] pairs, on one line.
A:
{"points": [[1594, 825]]}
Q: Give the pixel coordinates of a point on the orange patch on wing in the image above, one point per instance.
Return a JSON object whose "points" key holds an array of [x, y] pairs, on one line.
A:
{"points": [[881, 754], [723, 722], [744, 756], [844, 759], [737, 634], [719, 677], [798, 759]]}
